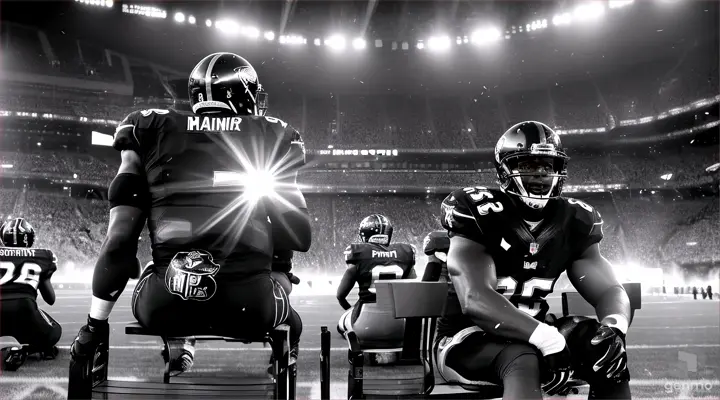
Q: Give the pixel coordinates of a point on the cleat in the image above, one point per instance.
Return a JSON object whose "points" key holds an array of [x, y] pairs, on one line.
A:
{"points": [[13, 358], [181, 355]]}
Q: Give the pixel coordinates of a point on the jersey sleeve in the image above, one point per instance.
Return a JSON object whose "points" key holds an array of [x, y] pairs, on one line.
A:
{"points": [[50, 265], [351, 254], [457, 218], [588, 225], [126, 137]]}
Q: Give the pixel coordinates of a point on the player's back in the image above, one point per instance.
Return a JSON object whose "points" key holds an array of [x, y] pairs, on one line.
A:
{"points": [[198, 169], [377, 262], [22, 270]]}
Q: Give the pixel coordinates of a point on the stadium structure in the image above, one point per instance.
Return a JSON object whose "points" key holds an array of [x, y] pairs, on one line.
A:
{"points": [[397, 106]]}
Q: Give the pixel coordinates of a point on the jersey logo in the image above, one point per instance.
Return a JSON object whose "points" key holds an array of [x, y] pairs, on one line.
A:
{"points": [[190, 275], [530, 265], [533, 249]]}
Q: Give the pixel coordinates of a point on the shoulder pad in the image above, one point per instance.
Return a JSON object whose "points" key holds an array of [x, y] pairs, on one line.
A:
{"points": [[127, 134], [587, 223], [436, 241], [353, 253], [456, 214]]}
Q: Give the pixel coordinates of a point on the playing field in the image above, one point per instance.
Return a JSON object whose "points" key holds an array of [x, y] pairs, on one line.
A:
{"points": [[665, 330]]}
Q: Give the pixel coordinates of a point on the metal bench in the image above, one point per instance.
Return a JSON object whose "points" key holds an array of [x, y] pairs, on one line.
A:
{"points": [[89, 379], [420, 303]]}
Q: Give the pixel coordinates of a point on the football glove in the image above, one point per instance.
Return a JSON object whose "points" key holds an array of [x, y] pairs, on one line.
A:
{"points": [[556, 372], [293, 278], [610, 342], [89, 338]]}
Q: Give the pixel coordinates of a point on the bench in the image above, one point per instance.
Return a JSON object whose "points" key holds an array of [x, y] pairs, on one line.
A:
{"points": [[420, 303], [89, 378]]}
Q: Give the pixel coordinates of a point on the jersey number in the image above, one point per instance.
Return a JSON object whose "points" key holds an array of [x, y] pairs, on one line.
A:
{"points": [[506, 286], [479, 194], [29, 274], [384, 272], [587, 207]]}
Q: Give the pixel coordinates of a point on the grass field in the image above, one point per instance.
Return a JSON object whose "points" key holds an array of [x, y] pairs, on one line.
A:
{"points": [[663, 329]]}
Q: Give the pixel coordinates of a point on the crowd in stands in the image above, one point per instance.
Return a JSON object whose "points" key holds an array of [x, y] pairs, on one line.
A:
{"points": [[466, 120], [646, 231]]}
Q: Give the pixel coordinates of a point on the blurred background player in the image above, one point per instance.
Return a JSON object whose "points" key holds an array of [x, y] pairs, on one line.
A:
{"points": [[218, 190], [23, 272], [375, 258], [507, 249], [436, 246]]}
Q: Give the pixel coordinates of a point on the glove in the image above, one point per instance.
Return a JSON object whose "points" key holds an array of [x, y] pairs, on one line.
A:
{"points": [[610, 342], [293, 278], [556, 372], [89, 338]]}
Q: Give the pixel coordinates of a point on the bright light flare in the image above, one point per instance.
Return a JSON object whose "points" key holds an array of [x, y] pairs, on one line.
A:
{"points": [[562, 19], [228, 26], [251, 32], [179, 17], [439, 43], [256, 184], [335, 42], [269, 35], [589, 11], [619, 3], [359, 43], [192, 20], [486, 36]]}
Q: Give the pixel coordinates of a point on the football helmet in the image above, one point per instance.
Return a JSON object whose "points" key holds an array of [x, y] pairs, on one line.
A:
{"points": [[531, 163], [376, 228], [226, 82], [17, 232]]}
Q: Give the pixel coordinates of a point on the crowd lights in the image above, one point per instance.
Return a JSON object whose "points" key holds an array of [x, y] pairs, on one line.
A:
{"points": [[179, 17], [359, 43], [145, 11], [439, 43], [485, 36], [535, 25], [335, 42], [99, 3], [292, 39], [589, 11]]}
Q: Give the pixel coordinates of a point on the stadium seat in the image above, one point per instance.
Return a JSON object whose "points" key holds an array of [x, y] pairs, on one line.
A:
{"points": [[89, 380], [420, 303]]}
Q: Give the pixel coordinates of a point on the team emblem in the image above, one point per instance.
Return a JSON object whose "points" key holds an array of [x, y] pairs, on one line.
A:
{"points": [[533, 248], [190, 275]]}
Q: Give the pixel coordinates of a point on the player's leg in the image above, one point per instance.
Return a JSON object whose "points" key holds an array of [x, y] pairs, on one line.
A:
{"points": [[578, 332], [344, 324], [31, 326], [471, 356], [377, 327]]}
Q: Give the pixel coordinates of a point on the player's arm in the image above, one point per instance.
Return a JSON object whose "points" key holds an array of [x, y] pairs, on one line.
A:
{"points": [[287, 208], [346, 284], [593, 277], [46, 290], [129, 197], [472, 271], [433, 269]]}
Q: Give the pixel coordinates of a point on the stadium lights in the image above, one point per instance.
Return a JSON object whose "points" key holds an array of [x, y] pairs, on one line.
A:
{"points": [[359, 43], [191, 19], [619, 3], [420, 45], [317, 42], [535, 25], [439, 43], [227, 26], [292, 39], [100, 3], [335, 42], [562, 19], [589, 11], [208, 23], [269, 35], [485, 36], [251, 32], [179, 17]]}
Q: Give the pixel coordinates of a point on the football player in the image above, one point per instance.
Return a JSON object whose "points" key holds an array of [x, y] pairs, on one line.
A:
{"points": [[507, 249], [375, 258], [23, 272], [218, 189]]}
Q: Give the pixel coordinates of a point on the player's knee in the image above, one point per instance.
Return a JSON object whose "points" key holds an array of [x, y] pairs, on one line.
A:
{"points": [[518, 359]]}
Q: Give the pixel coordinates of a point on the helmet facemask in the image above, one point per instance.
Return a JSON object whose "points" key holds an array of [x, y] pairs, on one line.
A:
{"points": [[533, 176]]}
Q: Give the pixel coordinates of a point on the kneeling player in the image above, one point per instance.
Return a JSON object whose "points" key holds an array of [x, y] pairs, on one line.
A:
{"points": [[203, 181], [25, 271], [373, 259], [507, 249]]}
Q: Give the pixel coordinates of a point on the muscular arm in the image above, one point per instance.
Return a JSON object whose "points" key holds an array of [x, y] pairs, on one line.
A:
{"points": [[117, 261], [346, 285], [594, 279], [432, 269], [472, 271]]}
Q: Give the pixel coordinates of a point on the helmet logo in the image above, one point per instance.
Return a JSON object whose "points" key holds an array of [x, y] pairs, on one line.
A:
{"points": [[201, 97], [229, 94], [247, 74]]}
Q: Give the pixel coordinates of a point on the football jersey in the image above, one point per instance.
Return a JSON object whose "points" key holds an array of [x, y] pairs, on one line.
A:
{"points": [[527, 262], [377, 262], [22, 270], [194, 165]]}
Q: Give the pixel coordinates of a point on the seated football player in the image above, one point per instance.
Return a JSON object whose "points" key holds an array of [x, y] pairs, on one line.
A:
{"points": [[375, 258], [507, 249], [217, 187], [23, 272]]}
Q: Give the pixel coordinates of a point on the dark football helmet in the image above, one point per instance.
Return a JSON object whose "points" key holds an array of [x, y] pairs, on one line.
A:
{"points": [[531, 163], [17, 232], [376, 228], [226, 82]]}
